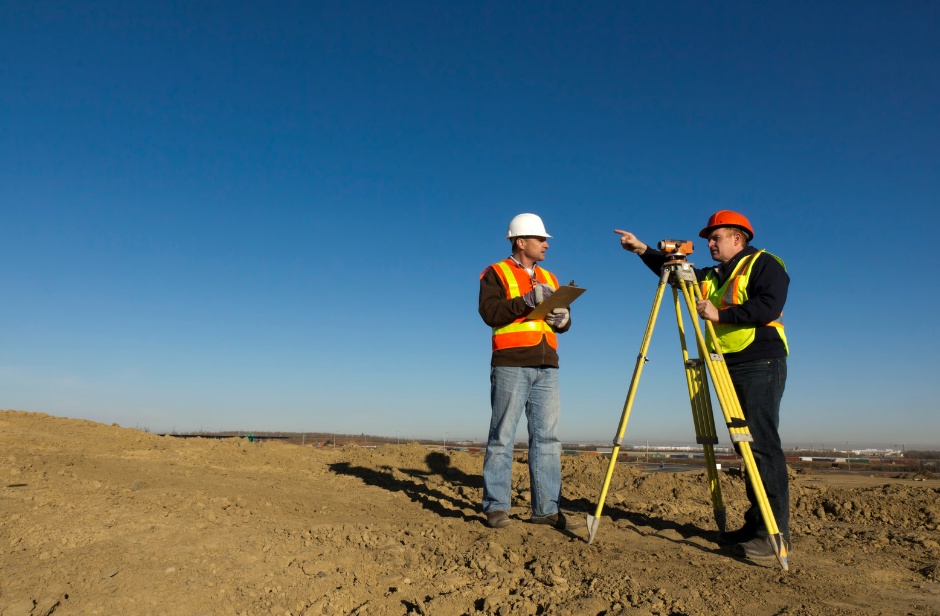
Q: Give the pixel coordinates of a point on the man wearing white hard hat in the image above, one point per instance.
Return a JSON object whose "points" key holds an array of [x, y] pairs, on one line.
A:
{"points": [[523, 376]]}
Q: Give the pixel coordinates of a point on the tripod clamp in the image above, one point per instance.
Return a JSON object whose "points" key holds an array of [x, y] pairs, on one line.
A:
{"points": [[679, 269]]}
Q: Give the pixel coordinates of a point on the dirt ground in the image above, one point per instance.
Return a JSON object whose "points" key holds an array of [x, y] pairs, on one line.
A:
{"points": [[98, 519]]}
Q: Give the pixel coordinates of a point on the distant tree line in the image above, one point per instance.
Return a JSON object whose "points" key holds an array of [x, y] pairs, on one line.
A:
{"points": [[370, 439], [922, 454]]}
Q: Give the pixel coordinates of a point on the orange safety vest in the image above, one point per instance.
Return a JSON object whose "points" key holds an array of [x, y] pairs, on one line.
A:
{"points": [[522, 333]]}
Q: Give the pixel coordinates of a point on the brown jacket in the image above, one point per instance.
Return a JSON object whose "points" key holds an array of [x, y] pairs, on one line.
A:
{"points": [[496, 310]]}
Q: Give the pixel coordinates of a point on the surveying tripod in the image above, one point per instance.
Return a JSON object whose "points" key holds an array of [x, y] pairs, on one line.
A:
{"points": [[678, 273]]}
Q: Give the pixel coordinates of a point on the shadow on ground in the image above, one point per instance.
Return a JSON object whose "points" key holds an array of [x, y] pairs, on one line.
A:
{"points": [[423, 487], [640, 521]]}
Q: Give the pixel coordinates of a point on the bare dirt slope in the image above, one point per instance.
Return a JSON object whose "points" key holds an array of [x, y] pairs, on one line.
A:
{"points": [[99, 519]]}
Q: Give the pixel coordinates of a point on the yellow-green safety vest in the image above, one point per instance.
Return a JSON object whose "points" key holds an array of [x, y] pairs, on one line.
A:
{"points": [[734, 338]]}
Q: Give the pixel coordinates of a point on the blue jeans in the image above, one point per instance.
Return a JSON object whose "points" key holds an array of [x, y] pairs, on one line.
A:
{"points": [[759, 385], [512, 391]]}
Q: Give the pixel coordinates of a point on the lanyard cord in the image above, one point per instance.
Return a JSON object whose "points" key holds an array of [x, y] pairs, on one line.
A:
{"points": [[532, 279]]}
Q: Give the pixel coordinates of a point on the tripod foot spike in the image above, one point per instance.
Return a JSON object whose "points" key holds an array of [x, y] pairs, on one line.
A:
{"points": [[780, 550], [721, 519], [592, 524]]}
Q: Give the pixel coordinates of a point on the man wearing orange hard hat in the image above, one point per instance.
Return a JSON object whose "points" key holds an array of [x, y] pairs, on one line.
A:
{"points": [[744, 297]]}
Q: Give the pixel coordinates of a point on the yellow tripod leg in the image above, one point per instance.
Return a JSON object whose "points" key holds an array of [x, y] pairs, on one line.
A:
{"points": [[738, 425], [594, 520], [734, 418], [701, 416], [711, 438]]}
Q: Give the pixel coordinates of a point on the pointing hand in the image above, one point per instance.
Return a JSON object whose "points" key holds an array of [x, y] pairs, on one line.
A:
{"points": [[631, 242]]}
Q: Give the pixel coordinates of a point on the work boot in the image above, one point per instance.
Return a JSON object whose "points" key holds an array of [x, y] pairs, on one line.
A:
{"points": [[558, 520], [498, 519], [734, 537], [759, 548]]}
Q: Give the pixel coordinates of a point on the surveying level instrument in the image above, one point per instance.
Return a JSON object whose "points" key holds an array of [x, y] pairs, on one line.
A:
{"points": [[678, 273]]}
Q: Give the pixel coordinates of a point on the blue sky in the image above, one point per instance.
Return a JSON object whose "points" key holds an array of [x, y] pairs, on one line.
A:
{"points": [[274, 217]]}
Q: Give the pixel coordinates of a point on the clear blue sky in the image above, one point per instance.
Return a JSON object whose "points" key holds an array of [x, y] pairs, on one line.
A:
{"points": [[274, 216]]}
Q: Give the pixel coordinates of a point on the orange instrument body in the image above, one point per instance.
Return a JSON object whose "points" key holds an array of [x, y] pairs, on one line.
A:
{"points": [[670, 247]]}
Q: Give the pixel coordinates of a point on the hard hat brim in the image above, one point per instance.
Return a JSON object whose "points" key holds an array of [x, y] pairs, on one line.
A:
{"points": [[509, 237], [704, 232]]}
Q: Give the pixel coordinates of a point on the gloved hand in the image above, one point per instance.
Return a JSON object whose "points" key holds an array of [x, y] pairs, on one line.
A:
{"points": [[537, 295], [558, 318]]}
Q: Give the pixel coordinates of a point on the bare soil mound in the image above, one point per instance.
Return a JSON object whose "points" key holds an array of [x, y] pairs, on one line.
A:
{"points": [[921, 476], [99, 519]]}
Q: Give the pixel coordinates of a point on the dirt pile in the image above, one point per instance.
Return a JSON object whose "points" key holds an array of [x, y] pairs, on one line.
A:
{"points": [[99, 519], [921, 476]]}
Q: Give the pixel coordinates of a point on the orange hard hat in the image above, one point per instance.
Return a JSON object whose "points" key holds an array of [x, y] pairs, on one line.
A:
{"points": [[727, 218]]}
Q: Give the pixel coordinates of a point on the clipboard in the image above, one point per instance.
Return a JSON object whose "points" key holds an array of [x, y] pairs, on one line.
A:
{"points": [[562, 298]]}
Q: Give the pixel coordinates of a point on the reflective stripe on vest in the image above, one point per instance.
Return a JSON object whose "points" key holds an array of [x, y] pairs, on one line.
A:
{"points": [[522, 333], [734, 338]]}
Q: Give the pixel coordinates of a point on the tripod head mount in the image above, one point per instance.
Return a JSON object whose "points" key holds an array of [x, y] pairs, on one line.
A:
{"points": [[675, 250], [676, 267]]}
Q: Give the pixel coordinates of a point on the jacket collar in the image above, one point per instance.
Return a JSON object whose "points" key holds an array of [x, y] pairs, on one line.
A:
{"points": [[513, 259], [723, 270]]}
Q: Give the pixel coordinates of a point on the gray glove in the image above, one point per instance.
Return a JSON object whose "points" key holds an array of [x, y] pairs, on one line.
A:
{"points": [[537, 295], [558, 318]]}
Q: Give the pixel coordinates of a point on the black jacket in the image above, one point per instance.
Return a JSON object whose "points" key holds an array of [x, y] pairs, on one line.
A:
{"points": [[766, 292]]}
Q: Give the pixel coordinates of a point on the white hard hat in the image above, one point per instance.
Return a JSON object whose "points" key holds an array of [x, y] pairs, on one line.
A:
{"points": [[526, 224]]}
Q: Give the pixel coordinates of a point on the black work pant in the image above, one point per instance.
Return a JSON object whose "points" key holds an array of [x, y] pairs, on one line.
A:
{"points": [[759, 385]]}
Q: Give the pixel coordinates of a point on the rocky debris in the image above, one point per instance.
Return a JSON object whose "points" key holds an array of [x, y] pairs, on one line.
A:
{"points": [[932, 572]]}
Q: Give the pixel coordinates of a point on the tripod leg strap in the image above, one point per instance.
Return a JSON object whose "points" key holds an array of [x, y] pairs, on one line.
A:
{"points": [[739, 437]]}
